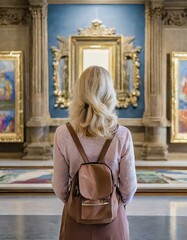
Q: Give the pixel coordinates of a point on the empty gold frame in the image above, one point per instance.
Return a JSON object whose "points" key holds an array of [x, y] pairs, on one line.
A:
{"points": [[97, 45], [103, 51]]}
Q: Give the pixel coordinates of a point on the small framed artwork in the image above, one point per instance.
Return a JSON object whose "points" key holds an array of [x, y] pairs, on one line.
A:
{"points": [[11, 96], [179, 97]]}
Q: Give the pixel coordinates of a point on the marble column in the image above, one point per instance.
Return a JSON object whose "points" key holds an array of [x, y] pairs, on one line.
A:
{"points": [[154, 119], [38, 124]]}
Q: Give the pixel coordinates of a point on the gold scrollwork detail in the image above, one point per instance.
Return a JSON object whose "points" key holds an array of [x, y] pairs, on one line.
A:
{"points": [[97, 29], [60, 74], [130, 95], [131, 80]]}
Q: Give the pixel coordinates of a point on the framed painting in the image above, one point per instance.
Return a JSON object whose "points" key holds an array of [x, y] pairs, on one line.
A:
{"points": [[11, 96], [179, 97], [32, 180]]}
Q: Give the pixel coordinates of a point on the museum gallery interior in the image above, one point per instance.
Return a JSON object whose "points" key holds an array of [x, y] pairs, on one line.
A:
{"points": [[44, 47]]}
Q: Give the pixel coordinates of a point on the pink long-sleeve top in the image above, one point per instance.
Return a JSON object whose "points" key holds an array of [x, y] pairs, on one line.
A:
{"points": [[119, 157]]}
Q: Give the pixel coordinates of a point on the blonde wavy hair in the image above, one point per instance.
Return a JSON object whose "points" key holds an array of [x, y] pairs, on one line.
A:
{"points": [[92, 110]]}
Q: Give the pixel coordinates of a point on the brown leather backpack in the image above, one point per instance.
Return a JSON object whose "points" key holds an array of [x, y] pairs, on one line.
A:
{"points": [[93, 197]]}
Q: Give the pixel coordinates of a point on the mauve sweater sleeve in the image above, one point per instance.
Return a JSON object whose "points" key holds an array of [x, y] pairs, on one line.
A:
{"points": [[60, 177], [127, 173]]}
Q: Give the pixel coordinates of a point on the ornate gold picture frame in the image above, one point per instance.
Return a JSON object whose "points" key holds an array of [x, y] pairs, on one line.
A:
{"points": [[97, 45], [11, 96], [179, 97], [103, 51]]}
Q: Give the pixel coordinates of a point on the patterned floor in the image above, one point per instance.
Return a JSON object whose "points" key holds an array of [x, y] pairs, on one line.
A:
{"points": [[30, 176], [40, 180], [39, 176], [162, 176]]}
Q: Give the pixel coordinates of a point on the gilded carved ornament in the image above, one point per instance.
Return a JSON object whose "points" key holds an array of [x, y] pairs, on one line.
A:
{"points": [[130, 53], [123, 60], [61, 94], [96, 29]]}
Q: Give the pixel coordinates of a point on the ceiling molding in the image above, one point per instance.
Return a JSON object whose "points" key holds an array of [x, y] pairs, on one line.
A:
{"points": [[13, 3], [5, 2], [96, 1], [176, 4]]}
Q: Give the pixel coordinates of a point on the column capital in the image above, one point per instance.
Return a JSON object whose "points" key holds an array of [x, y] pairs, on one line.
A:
{"points": [[154, 8], [38, 11]]}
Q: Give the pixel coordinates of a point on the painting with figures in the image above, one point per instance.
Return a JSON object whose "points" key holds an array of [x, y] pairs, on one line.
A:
{"points": [[11, 96]]}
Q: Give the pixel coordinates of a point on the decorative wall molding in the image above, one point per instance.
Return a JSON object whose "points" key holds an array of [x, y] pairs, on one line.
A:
{"points": [[55, 122], [170, 16], [174, 17], [14, 16]]}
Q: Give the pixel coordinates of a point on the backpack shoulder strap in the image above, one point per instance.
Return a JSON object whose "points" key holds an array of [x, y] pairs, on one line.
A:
{"points": [[104, 150], [105, 147], [81, 149], [77, 142]]}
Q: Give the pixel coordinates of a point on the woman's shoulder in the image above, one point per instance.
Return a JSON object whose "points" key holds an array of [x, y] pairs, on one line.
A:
{"points": [[123, 132], [61, 132], [61, 128]]}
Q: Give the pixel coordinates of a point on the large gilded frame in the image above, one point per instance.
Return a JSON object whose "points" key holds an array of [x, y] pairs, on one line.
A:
{"points": [[179, 97], [120, 56], [11, 96]]}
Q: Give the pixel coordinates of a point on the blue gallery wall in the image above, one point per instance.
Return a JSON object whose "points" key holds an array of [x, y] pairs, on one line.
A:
{"points": [[127, 19]]}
